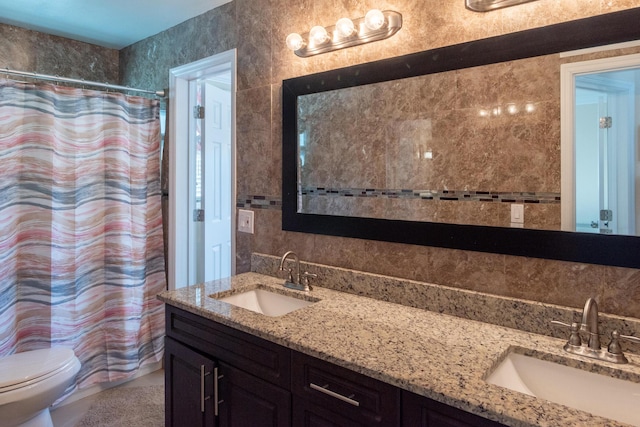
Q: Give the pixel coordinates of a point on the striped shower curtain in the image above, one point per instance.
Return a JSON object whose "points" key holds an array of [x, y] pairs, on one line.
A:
{"points": [[81, 246]]}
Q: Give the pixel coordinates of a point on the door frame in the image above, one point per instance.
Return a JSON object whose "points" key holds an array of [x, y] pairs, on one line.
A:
{"points": [[568, 72], [179, 78]]}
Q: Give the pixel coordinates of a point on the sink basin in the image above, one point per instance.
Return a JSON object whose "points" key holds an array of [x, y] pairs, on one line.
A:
{"points": [[597, 394], [266, 302]]}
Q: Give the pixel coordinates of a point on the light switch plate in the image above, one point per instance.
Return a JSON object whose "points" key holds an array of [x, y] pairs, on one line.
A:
{"points": [[245, 221], [517, 214]]}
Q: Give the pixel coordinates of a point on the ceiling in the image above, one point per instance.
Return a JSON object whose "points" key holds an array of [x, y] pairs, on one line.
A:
{"points": [[109, 23]]}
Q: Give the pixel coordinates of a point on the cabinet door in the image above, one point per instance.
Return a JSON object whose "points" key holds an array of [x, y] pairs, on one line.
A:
{"points": [[247, 401], [419, 411], [188, 378]]}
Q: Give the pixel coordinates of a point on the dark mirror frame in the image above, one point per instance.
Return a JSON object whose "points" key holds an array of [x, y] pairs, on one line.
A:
{"points": [[614, 250]]}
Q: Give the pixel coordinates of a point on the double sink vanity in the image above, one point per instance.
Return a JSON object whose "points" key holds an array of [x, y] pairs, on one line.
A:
{"points": [[249, 352]]}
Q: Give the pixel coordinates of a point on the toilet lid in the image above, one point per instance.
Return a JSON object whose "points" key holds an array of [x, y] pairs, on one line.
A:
{"points": [[29, 365]]}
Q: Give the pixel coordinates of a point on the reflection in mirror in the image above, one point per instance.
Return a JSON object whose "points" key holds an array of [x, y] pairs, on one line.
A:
{"points": [[466, 146], [600, 145], [435, 135], [457, 147]]}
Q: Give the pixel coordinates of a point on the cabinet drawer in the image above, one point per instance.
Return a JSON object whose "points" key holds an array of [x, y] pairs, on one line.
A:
{"points": [[419, 411], [254, 355], [306, 414], [352, 395]]}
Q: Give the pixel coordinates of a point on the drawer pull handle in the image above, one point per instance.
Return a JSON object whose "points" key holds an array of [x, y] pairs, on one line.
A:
{"points": [[203, 374], [326, 390], [215, 391]]}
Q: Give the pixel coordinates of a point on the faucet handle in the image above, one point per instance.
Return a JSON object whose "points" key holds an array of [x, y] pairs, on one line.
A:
{"points": [[305, 278], [614, 348], [574, 338], [629, 338], [614, 345]]}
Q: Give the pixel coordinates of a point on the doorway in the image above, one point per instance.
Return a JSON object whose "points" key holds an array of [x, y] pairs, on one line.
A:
{"points": [[202, 171], [600, 105]]}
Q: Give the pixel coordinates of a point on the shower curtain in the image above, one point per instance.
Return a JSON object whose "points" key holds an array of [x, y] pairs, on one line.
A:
{"points": [[81, 246]]}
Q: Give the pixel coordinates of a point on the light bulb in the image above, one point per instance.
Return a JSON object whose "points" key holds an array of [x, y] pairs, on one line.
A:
{"points": [[374, 19], [294, 41], [345, 27], [318, 34]]}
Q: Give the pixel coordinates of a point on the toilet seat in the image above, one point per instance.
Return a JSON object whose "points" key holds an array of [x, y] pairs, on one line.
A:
{"points": [[23, 369]]}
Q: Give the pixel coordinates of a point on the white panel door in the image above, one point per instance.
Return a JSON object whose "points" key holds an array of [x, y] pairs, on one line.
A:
{"points": [[216, 179]]}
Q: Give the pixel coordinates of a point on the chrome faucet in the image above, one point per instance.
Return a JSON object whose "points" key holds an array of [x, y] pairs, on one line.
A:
{"points": [[590, 323], [296, 279], [298, 282], [612, 353]]}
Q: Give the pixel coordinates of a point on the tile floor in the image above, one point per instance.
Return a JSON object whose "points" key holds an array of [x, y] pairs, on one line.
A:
{"points": [[70, 414]]}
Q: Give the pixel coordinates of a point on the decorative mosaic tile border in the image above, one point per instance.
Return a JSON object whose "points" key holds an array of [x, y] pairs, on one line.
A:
{"points": [[258, 202], [449, 195]]}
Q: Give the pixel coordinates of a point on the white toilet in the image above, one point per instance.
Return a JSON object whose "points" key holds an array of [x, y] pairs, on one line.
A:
{"points": [[31, 381]]}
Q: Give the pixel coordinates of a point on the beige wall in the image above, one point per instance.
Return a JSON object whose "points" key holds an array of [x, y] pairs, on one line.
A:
{"points": [[31, 51]]}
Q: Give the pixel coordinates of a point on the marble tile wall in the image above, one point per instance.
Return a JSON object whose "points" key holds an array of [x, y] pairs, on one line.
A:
{"points": [[542, 216], [257, 28], [26, 50], [491, 129], [487, 128]]}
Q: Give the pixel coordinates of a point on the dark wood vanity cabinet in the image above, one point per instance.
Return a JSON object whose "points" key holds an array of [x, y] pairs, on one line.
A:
{"points": [[203, 360], [419, 411], [187, 374], [262, 384]]}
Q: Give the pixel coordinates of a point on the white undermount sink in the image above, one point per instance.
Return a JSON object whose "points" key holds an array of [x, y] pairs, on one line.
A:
{"points": [[265, 302], [597, 394]]}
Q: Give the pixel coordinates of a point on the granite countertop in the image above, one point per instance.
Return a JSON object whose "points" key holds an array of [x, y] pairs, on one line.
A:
{"points": [[439, 356]]}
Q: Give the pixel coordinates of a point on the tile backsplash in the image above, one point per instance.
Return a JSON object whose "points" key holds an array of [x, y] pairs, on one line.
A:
{"points": [[515, 313]]}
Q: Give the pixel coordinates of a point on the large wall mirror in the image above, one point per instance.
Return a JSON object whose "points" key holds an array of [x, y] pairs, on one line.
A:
{"points": [[460, 147]]}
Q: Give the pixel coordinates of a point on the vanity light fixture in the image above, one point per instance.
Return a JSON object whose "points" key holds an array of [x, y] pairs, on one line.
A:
{"points": [[345, 27], [488, 5], [318, 36], [510, 108], [375, 25], [374, 19]]}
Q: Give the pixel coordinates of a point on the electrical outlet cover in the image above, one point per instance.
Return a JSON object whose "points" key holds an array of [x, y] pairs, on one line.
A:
{"points": [[245, 221]]}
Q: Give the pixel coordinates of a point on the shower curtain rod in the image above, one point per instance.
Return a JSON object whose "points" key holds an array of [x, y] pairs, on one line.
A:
{"points": [[159, 93]]}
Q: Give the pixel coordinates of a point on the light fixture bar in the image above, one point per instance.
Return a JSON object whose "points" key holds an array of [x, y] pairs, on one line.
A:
{"points": [[487, 5], [361, 35]]}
